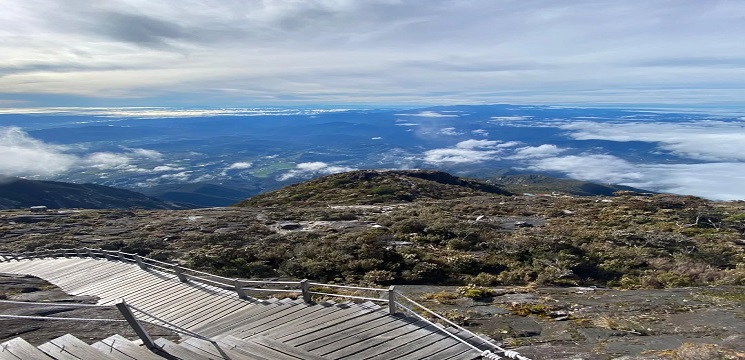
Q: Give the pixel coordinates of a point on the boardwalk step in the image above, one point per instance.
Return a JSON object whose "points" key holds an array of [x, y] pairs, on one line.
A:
{"points": [[217, 350], [18, 348], [68, 347], [120, 348], [178, 351]]}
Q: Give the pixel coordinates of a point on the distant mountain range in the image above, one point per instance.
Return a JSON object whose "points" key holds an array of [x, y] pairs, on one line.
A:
{"points": [[365, 187], [18, 193], [203, 194], [357, 187], [540, 184]]}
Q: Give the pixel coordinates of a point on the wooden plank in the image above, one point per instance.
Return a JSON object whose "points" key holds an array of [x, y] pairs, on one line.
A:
{"points": [[69, 347], [255, 309], [459, 351], [332, 319], [433, 350], [209, 302], [402, 352], [107, 275], [79, 272], [178, 351], [120, 348], [310, 312], [124, 277], [412, 340], [249, 324], [260, 351], [55, 352], [367, 347], [224, 306], [468, 354], [193, 301], [253, 351], [324, 334], [213, 312], [68, 273], [130, 289], [284, 348], [164, 288], [121, 288], [305, 314], [209, 349], [175, 293], [18, 348], [354, 339]]}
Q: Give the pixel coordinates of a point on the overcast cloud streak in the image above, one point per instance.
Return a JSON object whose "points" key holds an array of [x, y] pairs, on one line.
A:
{"points": [[214, 53]]}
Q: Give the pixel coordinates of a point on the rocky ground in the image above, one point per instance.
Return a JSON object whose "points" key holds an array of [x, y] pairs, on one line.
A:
{"points": [[593, 323]]}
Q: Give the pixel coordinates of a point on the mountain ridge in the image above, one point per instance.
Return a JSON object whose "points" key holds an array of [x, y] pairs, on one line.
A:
{"points": [[366, 187], [23, 193]]}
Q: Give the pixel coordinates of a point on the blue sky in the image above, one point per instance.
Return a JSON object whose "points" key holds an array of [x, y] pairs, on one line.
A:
{"points": [[394, 52]]}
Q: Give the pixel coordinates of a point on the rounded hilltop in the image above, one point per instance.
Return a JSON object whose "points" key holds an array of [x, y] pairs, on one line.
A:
{"points": [[365, 187]]}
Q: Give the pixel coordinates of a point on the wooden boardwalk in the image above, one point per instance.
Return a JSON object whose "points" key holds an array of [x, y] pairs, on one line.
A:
{"points": [[249, 328]]}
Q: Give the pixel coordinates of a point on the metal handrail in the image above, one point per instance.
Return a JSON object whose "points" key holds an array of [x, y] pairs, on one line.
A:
{"points": [[460, 328], [304, 287]]}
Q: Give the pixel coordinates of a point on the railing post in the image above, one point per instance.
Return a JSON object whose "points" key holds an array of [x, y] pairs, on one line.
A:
{"points": [[391, 300], [180, 273], [239, 289], [121, 256], [136, 326], [139, 261], [80, 253], [90, 253], [305, 288], [105, 254]]}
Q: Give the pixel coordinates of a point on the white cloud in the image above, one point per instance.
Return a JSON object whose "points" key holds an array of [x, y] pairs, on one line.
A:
{"points": [[373, 51], [145, 153], [473, 144], [312, 166], [163, 168], [603, 168], [511, 118], [719, 181], [240, 165], [376, 138], [311, 169], [701, 140], [22, 155], [509, 144], [449, 131], [458, 156], [106, 160], [182, 176], [541, 151], [430, 114], [480, 132]]}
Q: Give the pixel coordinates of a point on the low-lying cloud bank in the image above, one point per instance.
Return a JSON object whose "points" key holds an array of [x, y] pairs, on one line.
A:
{"points": [[23, 155], [717, 181], [310, 169], [700, 140]]}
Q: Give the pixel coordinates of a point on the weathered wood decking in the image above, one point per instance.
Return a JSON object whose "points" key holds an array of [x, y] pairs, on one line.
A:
{"points": [[290, 328]]}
